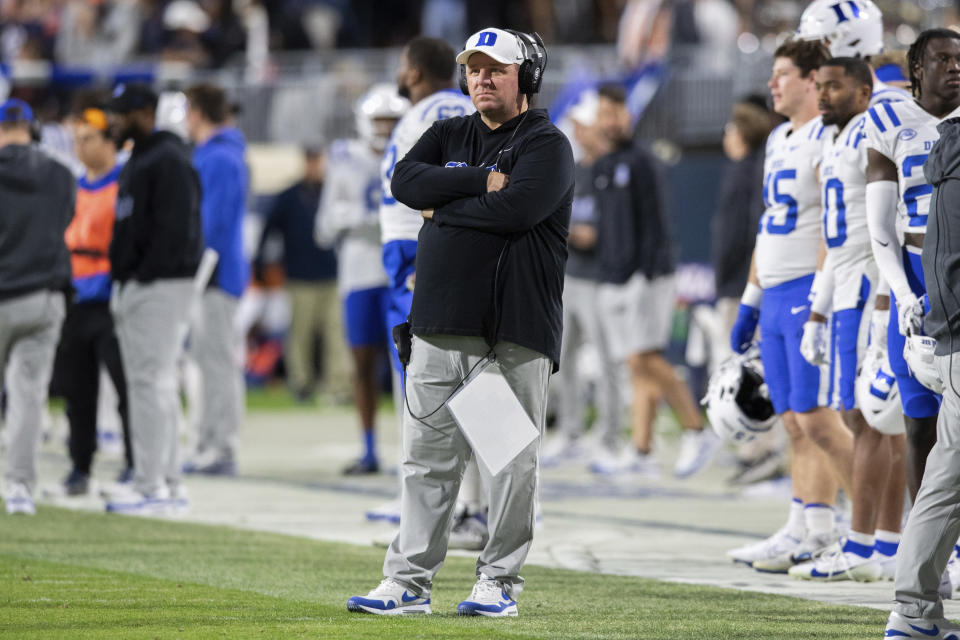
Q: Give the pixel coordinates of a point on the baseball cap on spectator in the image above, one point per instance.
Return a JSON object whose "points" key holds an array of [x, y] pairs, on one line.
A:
{"points": [[186, 15], [502, 46], [127, 97], [14, 110]]}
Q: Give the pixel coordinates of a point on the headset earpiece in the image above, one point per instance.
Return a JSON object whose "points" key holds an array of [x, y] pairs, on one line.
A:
{"points": [[462, 78]]}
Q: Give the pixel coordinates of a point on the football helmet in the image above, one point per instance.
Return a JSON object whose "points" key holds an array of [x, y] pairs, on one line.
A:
{"points": [[381, 101], [918, 351], [848, 27], [878, 396], [737, 401]]}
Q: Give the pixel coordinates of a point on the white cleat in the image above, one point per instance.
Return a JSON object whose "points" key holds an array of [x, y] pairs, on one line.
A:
{"points": [[836, 565], [390, 598], [697, 449], [386, 512], [129, 501], [808, 549], [469, 532], [626, 462], [888, 566], [18, 500], [779, 543], [561, 449]]}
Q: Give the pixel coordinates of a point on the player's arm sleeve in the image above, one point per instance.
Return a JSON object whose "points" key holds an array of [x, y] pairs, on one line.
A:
{"points": [[420, 182], [882, 195], [335, 212], [541, 178]]}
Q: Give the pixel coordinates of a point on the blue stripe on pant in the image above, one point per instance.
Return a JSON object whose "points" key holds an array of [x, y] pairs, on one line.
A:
{"points": [[846, 334], [794, 383], [399, 261]]}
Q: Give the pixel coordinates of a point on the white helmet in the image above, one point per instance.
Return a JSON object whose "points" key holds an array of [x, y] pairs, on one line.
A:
{"points": [[381, 101], [848, 27], [878, 396], [918, 352], [172, 113], [738, 402]]}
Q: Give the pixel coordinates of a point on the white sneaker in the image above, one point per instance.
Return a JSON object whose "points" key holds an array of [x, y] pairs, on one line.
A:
{"points": [[388, 511], [808, 549], [697, 449], [488, 598], [837, 564], [779, 543], [17, 499], [900, 626], [560, 449], [129, 501], [179, 500], [629, 461], [888, 566], [390, 598], [469, 532]]}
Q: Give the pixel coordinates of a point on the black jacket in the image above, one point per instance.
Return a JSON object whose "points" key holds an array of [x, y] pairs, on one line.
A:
{"points": [[733, 230], [941, 246], [158, 232], [525, 223], [38, 195], [633, 234]]}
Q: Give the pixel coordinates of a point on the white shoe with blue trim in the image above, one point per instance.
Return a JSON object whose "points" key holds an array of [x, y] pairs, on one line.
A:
{"points": [[836, 564], [488, 598], [128, 501], [899, 626], [390, 598]]}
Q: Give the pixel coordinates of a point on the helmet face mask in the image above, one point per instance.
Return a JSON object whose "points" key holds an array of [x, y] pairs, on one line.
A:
{"points": [[738, 402], [849, 28]]}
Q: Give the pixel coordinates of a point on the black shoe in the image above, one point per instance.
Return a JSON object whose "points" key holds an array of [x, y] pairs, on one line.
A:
{"points": [[362, 467], [77, 483]]}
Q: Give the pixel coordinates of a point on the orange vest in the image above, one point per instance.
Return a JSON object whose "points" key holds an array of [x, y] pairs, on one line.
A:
{"points": [[88, 236]]}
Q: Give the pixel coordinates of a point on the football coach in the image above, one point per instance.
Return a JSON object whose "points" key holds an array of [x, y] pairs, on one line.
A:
{"points": [[495, 189]]}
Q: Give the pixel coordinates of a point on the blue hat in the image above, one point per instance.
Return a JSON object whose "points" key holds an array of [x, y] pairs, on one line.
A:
{"points": [[14, 110], [890, 73]]}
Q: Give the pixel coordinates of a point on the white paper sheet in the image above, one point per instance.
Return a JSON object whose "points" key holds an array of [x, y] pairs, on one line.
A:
{"points": [[492, 419]]}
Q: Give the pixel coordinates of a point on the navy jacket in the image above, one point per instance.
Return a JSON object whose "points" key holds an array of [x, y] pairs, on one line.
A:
{"points": [[225, 181], [522, 228]]}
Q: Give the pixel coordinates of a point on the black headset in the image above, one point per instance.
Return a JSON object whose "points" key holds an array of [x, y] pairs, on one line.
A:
{"points": [[530, 74]]}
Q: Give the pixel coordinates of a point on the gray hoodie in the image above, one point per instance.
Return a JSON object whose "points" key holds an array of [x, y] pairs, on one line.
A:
{"points": [[941, 247], [37, 196]]}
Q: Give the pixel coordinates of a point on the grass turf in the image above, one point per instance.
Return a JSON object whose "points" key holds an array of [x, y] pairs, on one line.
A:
{"points": [[66, 574]]}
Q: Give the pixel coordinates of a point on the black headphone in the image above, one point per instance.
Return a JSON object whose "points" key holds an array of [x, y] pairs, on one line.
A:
{"points": [[530, 74]]}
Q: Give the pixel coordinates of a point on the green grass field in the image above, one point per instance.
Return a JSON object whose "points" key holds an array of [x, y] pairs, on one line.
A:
{"points": [[66, 574]]}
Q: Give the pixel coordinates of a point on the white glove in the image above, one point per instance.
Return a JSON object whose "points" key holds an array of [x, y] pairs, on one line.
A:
{"points": [[813, 344], [910, 314], [879, 323]]}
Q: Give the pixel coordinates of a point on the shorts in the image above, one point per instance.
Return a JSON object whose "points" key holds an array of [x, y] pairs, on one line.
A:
{"points": [[365, 316], [917, 400], [636, 316], [794, 384], [849, 330], [399, 261]]}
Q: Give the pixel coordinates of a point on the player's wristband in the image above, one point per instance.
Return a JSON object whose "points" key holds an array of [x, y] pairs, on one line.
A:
{"points": [[752, 296]]}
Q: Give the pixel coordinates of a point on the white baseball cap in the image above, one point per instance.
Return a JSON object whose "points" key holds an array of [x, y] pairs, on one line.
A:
{"points": [[500, 45]]}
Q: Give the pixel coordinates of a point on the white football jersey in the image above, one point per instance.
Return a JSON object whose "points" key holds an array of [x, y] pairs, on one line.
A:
{"points": [[788, 237], [398, 221], [843, 191], [348, 215], [883, 92], [905, 133]]}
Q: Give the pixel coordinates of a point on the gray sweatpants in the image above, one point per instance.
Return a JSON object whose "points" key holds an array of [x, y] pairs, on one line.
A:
{"points": [[581, 323], [150, 321], [934, 522], [29, 333], [216, 345], [434, 456]]}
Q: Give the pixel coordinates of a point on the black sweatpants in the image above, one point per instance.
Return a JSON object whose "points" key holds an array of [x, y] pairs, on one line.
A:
{"points": [[87, 340]]}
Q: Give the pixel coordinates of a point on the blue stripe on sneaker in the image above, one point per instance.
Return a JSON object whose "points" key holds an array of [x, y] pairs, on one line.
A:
{"points": [[894, 633]]}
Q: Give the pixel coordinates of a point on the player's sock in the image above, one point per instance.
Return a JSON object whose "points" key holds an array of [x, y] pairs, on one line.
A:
{"points": [[819, 518], [859, 543], [368, 443], [886, 542], [796, 526]]}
